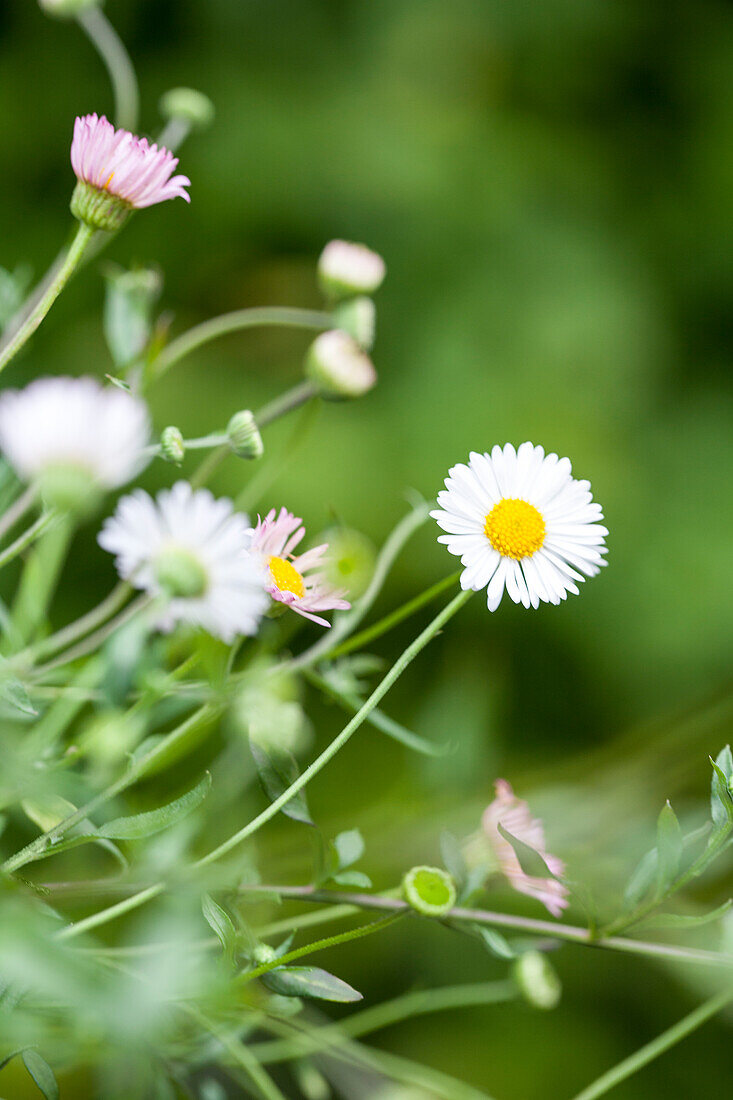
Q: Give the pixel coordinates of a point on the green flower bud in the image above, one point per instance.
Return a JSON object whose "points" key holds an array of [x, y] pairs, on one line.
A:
{"points": [[429, 890], [537, 980], [188, 104], [67, 9], [172, 448], [350, 560], [244, 435], [180, 574], [338, 368], [263, 954], [98, 208], [358, 317], [345, 269]]}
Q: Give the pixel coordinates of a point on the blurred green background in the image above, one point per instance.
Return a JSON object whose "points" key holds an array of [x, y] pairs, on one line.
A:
{"points": [[550, 187]]}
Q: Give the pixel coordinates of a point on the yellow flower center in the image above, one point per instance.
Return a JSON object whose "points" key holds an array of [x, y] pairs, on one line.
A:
{"points": [[286, 577], [515, 528]]}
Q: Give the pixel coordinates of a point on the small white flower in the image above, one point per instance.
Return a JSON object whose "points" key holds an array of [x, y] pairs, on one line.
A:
{"points": [[346, 268], [74, 424], [193, 548], [519, 520], [338, 367]]}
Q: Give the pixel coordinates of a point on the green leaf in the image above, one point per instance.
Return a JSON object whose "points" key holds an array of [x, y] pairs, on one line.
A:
{"points": [[13, 692], [677, 920], [348, 848], [221, 924], [128, 304], [352, 878], [641, 879], [453, 859], [146, 824], [721, 800], [309, 981], [669, 848], [494, 942], [13, 288], [530, 861], [277, 770], [41, 1073]]}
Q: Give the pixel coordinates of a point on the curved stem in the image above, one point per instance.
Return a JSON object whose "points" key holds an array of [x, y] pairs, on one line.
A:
{"points": [[111, 49], [74, 254], [652, 1050], [17, 509], [81, 626], [234, 322], [93, 641], [27, 538]]}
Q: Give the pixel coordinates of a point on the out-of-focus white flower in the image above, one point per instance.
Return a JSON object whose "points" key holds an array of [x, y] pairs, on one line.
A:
{"points": [[514, 816], [519, 521], [74, 429], [345, 268], [192, 548], [338, 367], [298, 581]]}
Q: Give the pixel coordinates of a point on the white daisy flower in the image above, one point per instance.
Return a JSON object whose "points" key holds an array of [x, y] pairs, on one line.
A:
{"points": [[192, 548], [519, 520], [74, 425]]}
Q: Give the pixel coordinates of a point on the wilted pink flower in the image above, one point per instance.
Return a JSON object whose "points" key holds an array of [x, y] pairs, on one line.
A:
{"points": [[123, 165], [295, 580], [513, 814]]}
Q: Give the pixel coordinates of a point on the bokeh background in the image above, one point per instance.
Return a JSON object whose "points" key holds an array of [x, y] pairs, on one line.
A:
{"points": [[550, 186]]}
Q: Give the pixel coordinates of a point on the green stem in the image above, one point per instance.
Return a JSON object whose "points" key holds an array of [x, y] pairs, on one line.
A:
{"points": [[347, 622], [364, 637], [74, 254], [338, 743], [117, 61], [81, 626], [113, 911], [321, 945], [28, 537], [39, 578], [652, 1050], [392, 1012], [17, 509], [234, 322], [241, 1054], [94, 640]]}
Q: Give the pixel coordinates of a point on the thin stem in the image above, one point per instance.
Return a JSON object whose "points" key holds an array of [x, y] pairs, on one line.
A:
{"points": [[656, 1047], [392, 1012], [74, 254], [321, 945], [38, 581], [111, 49], [81, 626], [94, 640], [241, 1054], [346, 623], [330, 751], [545, 928], [17, 510], [93, 921], [233, 322], [28, 537], [364, 637]]}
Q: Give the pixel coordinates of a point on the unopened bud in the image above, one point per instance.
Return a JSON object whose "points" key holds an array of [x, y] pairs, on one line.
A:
{"points": [[338, 367], [263, 954], [172, 447], [345, 269], [358, 317], [429, 890], [188, 104], [537, 980], [244, 435], [350, 560], [67, 9]]}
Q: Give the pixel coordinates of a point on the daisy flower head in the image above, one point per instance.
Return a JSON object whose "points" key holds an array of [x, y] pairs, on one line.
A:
{"points": [[513, 814], [73, 435], [192, 549], [297, 580], [519, 521], [118, 172]]}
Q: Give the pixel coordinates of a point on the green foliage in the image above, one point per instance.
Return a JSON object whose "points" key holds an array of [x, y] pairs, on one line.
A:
{"points": [[309, 981]]}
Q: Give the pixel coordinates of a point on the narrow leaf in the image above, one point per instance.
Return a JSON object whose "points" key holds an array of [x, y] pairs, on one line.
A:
{"points": [[277, 771], [309, 981], [721, 800], [146, 824], [221, 924], [349, 848], [352, 878], [678, 920], [641, 879], [41, 1073], [495, 943], [15, 695], [530, 861], [669, 848]]}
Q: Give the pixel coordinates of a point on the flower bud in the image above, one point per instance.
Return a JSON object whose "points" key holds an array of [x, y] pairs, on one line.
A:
{"points": [[358, 317], [187, 104], [537, 980], [67, 9], [244, 435], [180, 574], [172, 448], [263, 954], [350, 561], [98, 208], [338, 367], [429, 890], [345, 269]]}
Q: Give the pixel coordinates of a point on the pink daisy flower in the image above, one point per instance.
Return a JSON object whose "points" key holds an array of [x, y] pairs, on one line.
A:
{"points": [[514, 815], [298, 581], [123, 165]]}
